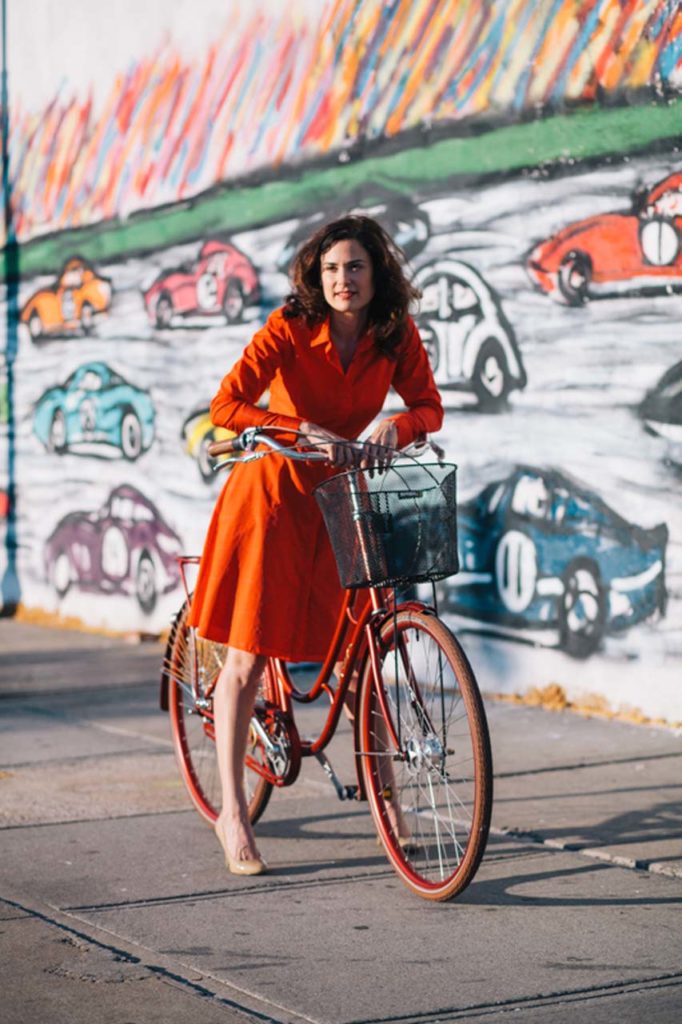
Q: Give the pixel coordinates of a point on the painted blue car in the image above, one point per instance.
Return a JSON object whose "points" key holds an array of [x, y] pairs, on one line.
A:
{"points": [[537, 549], [95, 411]]}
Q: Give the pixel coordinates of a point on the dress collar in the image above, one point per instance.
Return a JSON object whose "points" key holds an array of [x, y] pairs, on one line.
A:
{"points": [[322, 336]]}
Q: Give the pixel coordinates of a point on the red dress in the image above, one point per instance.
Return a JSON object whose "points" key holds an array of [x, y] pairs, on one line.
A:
{"points": [[268, 581]]}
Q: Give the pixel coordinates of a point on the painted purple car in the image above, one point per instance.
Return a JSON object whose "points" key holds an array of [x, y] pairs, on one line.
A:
{"points": [[125, 547]]}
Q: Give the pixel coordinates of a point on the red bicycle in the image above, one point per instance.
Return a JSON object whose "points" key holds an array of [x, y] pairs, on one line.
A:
{"points": [[422, 748]]}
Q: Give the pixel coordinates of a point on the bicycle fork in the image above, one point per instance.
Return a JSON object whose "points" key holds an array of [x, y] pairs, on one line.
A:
{"points": [[432, 748]]}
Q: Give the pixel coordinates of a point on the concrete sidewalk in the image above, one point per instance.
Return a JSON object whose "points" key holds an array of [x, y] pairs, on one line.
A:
{"points": [[114, 894]]}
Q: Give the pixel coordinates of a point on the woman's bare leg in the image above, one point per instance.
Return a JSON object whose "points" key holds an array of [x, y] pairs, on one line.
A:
{"points": [[233, 702], [386, 773], [387, 780]]}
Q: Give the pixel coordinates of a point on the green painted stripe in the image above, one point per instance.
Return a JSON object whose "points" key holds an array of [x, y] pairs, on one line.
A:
{"points": [[575, 137]]}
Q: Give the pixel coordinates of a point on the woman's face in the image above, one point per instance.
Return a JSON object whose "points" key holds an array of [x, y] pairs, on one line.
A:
{"points": [[347, 278]]}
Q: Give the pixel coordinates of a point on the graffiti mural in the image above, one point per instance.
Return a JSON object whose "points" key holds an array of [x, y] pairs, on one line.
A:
{"points": [[280, 120], [616, 252]]}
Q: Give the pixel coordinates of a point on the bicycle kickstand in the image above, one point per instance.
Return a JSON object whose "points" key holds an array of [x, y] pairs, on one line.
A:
{"points": [[343, 792]]}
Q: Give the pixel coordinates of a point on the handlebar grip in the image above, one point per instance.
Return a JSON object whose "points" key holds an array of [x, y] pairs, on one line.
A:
{"points": [[227, 447]]}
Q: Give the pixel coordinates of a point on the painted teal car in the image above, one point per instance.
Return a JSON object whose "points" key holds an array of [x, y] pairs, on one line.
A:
{"points": [[540, 550], [95, 412]]}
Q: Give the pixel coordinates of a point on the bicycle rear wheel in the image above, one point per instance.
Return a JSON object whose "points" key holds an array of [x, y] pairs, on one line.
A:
{"points": [[192, 722], [430, 792]]}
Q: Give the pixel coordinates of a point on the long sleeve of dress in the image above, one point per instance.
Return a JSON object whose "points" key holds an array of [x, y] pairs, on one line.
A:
{"points": [[234, 406], [413, 380]]}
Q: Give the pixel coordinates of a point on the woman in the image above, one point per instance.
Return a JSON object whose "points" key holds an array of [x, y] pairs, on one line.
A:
{"points": [[268, 583]]}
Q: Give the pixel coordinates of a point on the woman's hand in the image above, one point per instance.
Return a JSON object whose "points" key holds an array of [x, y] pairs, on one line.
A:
{"points": [[378, 449], [338, 450]]}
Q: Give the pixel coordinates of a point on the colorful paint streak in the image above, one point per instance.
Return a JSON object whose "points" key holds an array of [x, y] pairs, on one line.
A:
{"points": [[276, 91]]}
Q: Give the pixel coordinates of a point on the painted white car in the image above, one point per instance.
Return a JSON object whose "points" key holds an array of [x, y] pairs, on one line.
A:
{"points": [[470, 342]]}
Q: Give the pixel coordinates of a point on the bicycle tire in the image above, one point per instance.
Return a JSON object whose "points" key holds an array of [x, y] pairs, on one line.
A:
{"points": [[440, 780], [192, 726]]}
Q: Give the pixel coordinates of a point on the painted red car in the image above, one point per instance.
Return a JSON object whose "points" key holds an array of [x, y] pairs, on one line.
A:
{"points": [[221, 281], [635, 252]]}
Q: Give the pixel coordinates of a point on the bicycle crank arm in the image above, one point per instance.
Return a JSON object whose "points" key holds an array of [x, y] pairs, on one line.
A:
{"points": [[272, 748], [277, 751]]}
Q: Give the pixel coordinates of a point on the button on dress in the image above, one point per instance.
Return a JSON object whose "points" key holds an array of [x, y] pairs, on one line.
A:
{"points": [[268, 581]]}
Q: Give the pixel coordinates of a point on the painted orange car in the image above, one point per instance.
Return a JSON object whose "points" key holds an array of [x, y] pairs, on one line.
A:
{"points": [[77, 297]]}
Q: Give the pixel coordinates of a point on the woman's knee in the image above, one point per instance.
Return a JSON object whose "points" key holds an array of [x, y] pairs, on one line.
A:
{"points": [[243, 669]]}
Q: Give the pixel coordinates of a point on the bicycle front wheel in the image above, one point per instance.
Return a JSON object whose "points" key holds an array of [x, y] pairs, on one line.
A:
{"points": [[426, 756], [191, 712]]}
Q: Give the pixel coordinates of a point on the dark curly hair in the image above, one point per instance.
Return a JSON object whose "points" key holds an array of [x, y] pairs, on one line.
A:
{"points": [[393, 293]]}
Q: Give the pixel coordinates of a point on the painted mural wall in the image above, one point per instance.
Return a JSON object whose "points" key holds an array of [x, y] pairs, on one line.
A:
{"points": [[551, 306]]}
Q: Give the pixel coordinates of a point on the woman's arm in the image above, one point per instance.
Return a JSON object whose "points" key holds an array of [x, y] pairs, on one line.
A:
{"points": [[413, 380], [235, 404]]}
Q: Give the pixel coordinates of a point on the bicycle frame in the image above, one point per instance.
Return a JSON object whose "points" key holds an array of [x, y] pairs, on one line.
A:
{"points": [[355, 641]]}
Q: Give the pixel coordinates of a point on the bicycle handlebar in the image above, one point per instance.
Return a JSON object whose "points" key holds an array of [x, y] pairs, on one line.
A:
{"points": [[226, 447], [253, 436]]}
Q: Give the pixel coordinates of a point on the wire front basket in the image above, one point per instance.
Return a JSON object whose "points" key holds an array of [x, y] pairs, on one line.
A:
{"points": [[392, 528]]}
